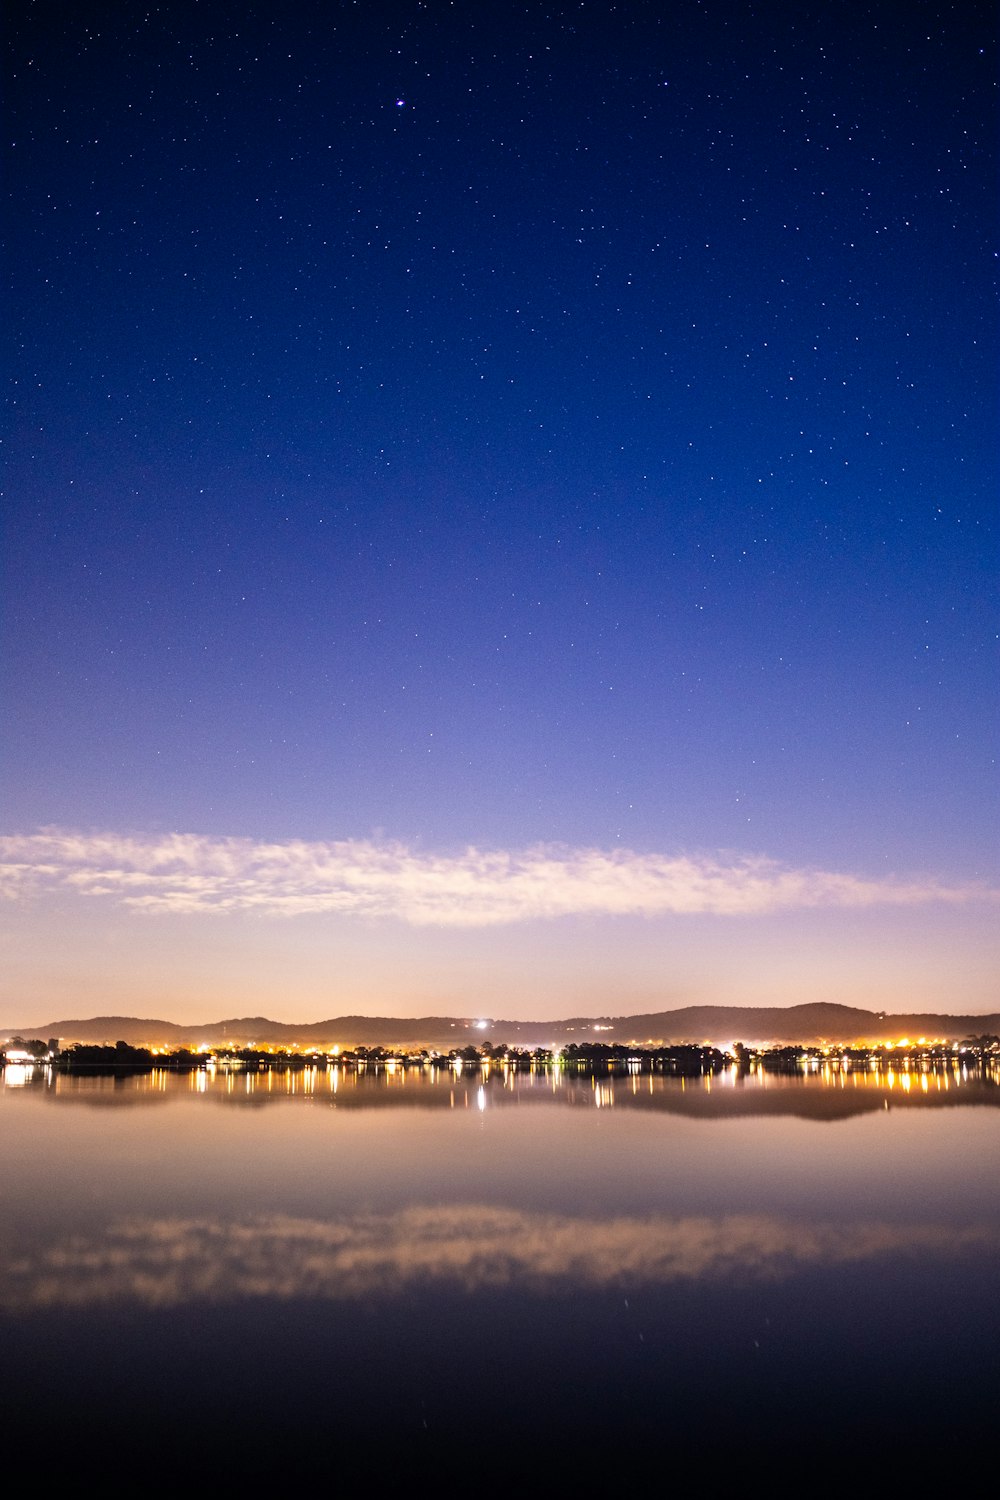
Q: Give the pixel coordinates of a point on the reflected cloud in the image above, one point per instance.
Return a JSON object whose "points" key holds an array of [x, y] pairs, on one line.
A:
{"points": [[173, 1262], [189, 873]]}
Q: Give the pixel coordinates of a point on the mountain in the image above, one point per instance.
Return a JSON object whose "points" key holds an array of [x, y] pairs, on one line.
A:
{"points": [[814, 1024]]}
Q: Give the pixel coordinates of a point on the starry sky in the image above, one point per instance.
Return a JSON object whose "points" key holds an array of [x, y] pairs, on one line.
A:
{"points": [[500, 508]]}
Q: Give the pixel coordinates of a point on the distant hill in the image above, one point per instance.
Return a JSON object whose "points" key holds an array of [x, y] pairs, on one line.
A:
{"points": [[821, 1023]]}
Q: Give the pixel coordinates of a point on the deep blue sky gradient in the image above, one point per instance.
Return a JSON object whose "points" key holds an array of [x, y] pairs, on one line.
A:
{"points": [[498, 425]]}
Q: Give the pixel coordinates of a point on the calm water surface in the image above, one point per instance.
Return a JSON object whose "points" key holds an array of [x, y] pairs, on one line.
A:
{"points": [[285, 1272]]}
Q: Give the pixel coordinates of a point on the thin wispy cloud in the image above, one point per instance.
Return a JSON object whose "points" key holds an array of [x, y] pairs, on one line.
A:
{"points": [[195, 874], [173, 1262]]}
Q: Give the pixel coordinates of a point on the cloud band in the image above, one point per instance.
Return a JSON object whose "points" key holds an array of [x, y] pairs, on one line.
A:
{"points": [[192, 873]]}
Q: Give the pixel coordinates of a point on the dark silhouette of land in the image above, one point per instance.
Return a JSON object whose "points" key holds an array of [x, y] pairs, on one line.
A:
{"points": [[712, 1024]]}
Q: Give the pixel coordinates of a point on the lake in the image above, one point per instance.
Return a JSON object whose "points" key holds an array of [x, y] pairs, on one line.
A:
{"points": [[317, 1274]]}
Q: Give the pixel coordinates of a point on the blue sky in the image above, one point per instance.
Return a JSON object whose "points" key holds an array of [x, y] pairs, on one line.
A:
{"points": [[566, 436]]}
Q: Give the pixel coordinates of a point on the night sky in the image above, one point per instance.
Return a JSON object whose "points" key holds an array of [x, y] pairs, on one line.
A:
{"points": [[500, 508]]}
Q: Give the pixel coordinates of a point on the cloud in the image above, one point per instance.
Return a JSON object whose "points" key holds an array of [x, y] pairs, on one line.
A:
{"points": [[192, 873], [172, 1262]]}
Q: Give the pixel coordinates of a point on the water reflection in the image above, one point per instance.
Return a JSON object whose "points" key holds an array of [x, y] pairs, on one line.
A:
{"points": [[429, 1258], [825, 1093], [473, 1248]]}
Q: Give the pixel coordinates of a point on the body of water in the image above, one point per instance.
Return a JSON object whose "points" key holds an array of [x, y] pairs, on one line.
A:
{"points": [[323, 1273]]}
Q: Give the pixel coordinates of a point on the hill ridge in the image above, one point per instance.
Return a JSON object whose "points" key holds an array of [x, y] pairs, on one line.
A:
{"points": [[821, 1021]]}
